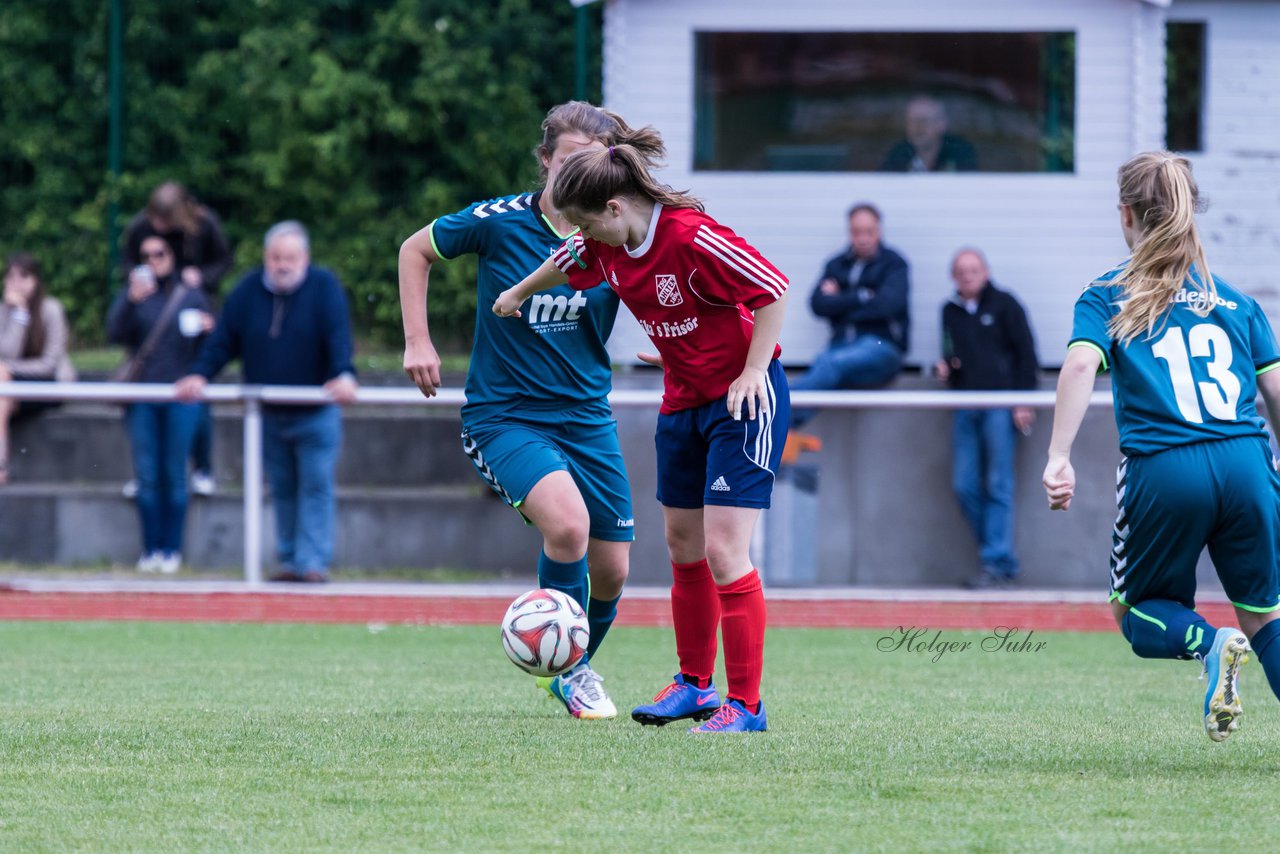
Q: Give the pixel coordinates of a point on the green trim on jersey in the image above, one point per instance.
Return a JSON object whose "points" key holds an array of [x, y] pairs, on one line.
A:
{"points": [[1103, 353], [431, 233], [1266, 369]]}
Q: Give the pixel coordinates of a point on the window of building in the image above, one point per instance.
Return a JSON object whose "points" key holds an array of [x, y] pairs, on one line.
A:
{"points": [[902, 102], [1184, 85]]}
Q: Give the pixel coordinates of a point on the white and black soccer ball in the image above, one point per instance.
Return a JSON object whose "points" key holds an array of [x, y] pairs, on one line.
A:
{"points": [[545, 632]]}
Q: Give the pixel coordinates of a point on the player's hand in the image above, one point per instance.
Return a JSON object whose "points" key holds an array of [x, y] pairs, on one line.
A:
{"points": [[422, 364], [650, 359], [1059, 483], [748, 388], [507, 304]]}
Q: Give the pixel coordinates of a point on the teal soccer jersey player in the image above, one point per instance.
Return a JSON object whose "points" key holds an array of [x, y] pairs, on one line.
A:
{"points": [[537, 423], [1188, 355]]}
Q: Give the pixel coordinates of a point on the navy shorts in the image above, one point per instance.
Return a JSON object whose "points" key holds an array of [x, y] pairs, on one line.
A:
{"points": [[1223, 494], [706, 457], [512, 456]]}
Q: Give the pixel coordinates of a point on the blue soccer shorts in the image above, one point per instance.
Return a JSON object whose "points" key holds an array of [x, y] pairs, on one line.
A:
{"points": [[512, 456], [1221, 494], [706, 457]]}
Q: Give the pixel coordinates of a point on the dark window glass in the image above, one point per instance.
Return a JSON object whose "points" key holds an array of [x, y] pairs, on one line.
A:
{"points": [[836, 102], [1184, 86]]}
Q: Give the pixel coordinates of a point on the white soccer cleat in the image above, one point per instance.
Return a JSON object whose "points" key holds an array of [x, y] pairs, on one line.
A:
{"points": [[1222, 708], [582, 692]]}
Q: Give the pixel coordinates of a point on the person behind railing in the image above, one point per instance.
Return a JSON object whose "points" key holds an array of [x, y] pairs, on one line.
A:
{"points": [[289, 324], [161, 321], [863, 295], [987, 345], [202, 255], [33, 343]]}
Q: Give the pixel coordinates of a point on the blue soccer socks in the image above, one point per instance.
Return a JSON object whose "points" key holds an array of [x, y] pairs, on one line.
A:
{"points": [[600, 616], [1266, 646], [568, 578], [1162, 628]]}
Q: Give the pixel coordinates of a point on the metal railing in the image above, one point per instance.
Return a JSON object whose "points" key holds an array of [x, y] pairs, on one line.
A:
{"points": [[254, 397]]}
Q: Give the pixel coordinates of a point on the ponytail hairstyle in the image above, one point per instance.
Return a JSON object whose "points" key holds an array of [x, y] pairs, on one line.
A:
{"points": [[604, 126], [1158, 187], [588, 179], [25, 262]]}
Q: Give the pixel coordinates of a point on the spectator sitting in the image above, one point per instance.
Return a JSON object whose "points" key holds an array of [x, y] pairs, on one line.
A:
{"points": [[928, 147], [288, 323], [202, 255], [161, 321], [33, 343], [987, 346], [863, 295]]}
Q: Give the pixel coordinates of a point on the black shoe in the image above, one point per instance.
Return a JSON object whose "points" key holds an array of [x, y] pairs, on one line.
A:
{"points": [[313, 577], [286, 576], [985, 579]]}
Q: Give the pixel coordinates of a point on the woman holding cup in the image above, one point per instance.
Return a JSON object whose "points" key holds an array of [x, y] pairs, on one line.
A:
{"points": [[161, 321]]}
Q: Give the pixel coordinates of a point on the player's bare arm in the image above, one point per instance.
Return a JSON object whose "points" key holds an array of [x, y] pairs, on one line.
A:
{"points": [[421, 361], [750, 385], [1075, 386], [547, 276]]}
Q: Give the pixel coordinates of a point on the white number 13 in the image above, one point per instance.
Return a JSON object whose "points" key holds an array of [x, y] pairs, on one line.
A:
{"points": [[1207, 341]]}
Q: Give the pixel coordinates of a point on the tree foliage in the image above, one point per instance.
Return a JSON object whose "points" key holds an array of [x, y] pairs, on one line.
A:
{"points": [[362, 118]]}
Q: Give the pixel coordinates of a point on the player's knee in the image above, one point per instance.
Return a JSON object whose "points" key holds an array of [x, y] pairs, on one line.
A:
{"points": [[567, 534], [726, 560]]}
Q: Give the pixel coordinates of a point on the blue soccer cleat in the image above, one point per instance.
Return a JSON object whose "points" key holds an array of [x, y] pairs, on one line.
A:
{"points": [[678, 701], [734, 717], [1229, 652]]}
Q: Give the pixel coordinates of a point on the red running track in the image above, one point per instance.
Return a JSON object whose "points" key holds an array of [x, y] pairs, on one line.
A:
{"points": [[488, 610]]}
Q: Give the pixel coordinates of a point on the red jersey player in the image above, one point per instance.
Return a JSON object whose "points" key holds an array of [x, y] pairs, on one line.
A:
{"points": [[713, 307]]}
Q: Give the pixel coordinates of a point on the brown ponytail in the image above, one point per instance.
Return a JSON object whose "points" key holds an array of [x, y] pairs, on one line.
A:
{"points": [[604, 126], [1159, 189], [588, 179]]}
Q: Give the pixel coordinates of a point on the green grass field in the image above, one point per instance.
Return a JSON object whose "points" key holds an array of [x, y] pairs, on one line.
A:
{"points": [[162, 737]]}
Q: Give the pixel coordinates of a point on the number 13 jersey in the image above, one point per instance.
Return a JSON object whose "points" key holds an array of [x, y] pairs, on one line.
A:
{"points": [[1193, 379]]}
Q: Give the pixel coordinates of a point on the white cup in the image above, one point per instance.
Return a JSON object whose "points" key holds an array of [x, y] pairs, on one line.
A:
{"points": [[190, 322]]}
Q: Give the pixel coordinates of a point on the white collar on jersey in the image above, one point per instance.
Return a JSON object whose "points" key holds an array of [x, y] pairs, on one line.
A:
{"points": [[639, 251]]}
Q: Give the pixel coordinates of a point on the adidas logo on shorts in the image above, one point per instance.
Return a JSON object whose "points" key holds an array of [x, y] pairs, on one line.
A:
{"points": [[720, 485]]}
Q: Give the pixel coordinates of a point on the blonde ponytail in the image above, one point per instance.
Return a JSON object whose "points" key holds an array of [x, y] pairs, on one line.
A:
{"points": [[1159, 189]]}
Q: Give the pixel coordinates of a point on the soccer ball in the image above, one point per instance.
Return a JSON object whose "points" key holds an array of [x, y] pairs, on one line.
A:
{"points": [[545, 632]]}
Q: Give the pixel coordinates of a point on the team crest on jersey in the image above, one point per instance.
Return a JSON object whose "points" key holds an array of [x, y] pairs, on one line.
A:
{"points": [[668, 291]]}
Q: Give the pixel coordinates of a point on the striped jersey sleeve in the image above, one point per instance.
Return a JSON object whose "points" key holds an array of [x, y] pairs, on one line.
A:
{"points": [[732, 271]]}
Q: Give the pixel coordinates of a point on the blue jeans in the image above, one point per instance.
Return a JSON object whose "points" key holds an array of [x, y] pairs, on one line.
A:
{"points": [[984, 444], [160, 439], [202, 442], [865, 362], [300, 453]]}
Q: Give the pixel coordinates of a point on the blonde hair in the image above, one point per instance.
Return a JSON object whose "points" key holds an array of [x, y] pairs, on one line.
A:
{"points": [[1158, 187], [604, 126], [588, 179]]}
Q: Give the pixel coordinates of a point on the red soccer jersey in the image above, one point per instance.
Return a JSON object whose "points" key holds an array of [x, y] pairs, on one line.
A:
{"points": [[692, 285]]}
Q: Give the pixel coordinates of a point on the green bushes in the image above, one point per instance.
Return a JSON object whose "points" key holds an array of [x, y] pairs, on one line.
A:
{"points": [[362, 118]]}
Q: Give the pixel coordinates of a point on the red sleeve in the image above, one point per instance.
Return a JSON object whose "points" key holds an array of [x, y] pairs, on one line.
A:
{"points": [[576, 258], [732, 271]]}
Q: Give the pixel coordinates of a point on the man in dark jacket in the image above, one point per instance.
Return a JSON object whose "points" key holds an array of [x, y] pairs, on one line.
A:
{"points": [[289, 324], [986, 346], [863, 295]]}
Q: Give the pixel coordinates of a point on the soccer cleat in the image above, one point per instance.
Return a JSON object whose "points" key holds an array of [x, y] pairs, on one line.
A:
{"points": [[581, 690], [678, 701], [734, 717], [1222, 709]]}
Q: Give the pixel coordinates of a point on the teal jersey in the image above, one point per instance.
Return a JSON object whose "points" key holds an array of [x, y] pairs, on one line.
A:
{"points": [[550, 363], [1194, 379]]}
